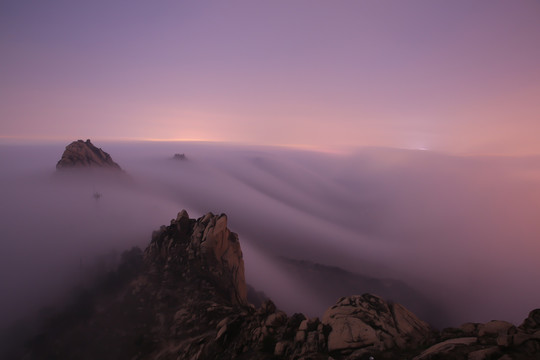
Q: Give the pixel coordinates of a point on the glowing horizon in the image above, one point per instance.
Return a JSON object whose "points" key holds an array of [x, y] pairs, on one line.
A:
{"points": [[454, 77]]}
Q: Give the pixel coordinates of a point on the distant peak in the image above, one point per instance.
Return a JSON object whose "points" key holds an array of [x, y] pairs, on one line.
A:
{"points": [[81, 154]]}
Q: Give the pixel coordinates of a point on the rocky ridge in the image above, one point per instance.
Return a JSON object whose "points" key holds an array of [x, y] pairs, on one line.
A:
{"points": [[185, 297], [83, 154]]}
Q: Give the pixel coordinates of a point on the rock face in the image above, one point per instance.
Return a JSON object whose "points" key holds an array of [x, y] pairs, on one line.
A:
{"points": [[84, 154], [185, 297], [188, 246], [367, 322]]}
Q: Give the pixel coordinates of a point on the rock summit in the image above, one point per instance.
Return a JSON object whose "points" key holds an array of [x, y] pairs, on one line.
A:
{"points": [[83, 154]]}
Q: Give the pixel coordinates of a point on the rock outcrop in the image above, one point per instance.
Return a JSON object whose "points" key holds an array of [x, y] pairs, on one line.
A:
{"points": [[185, 297], [372, 325], [200, 249], [179, 156], [81, 154], [493, 340]]}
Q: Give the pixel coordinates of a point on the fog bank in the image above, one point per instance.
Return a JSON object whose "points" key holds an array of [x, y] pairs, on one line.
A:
{"points": [[461, 230]]}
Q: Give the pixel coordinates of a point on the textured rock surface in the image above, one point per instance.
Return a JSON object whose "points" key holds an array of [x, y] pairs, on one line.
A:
{"points": [[84, 154], [188, 246], [367, 321]]}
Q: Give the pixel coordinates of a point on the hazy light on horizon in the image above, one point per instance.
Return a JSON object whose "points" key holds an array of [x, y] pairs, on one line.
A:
{"points": [[458, 76]]}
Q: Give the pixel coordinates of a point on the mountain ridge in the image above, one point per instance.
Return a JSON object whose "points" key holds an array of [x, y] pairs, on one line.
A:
{"points": [[185, 297]]}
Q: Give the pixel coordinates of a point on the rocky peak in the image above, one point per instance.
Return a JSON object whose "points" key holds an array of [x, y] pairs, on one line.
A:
{"points": [[84, 154], [202, 248]]}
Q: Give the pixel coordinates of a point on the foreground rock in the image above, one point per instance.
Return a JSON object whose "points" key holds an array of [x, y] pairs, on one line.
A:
{"points": [[369, 323], [493, 340], [83, 154], [185, 297]]}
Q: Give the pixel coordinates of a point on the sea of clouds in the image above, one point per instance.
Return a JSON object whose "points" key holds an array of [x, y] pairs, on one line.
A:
{"points": [[463, 231]]}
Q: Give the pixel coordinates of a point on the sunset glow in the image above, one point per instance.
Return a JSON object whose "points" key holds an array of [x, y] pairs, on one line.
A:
{"points": [[461, 76]]}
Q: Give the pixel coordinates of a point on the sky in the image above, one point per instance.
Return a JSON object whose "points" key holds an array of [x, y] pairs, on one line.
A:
{"points": [[454, 76]]}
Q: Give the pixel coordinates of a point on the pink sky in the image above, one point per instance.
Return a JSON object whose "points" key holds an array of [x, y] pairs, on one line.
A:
{"points": [[456, 76]]}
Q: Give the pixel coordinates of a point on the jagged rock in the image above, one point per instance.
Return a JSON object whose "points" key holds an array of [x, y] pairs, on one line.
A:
{"points": [[368, 321], [84, 154], [208, 245]]}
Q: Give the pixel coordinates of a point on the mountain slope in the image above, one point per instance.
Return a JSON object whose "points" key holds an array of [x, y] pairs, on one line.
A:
{"points": [[185, 297]]}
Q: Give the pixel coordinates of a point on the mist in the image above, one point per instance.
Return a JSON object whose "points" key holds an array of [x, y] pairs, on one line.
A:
{"points": [[463, 231]]}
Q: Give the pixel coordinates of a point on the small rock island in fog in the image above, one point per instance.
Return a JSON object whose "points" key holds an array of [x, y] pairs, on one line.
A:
{"points": [[178, 156], [84, 154]]}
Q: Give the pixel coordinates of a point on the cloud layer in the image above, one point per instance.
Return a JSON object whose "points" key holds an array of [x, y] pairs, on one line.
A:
{"points": [[461, 230]]}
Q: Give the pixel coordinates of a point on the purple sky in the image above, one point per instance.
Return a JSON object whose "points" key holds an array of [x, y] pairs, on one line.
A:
{"points": [[457, 76]]}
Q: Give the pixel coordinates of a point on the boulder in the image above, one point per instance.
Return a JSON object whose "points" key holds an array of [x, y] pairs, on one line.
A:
{"points": [[484, 354], [494, 328], [532, 322], [368, 321], [470, 329]]}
